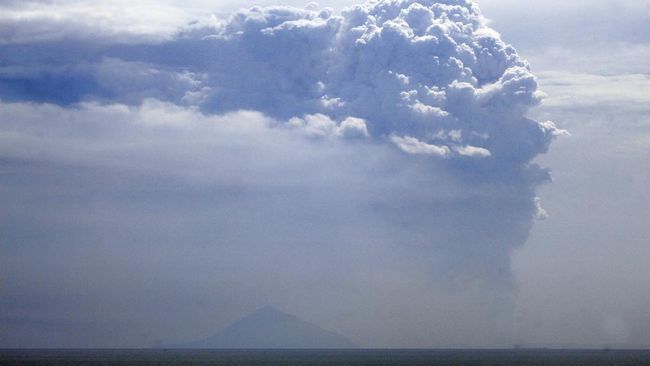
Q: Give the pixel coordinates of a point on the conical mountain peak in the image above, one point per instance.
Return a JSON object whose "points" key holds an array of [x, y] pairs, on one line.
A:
{"points": [[268, 327]]}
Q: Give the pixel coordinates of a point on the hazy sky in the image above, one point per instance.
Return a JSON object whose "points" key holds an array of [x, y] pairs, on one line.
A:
{"points": [[382, 171]]}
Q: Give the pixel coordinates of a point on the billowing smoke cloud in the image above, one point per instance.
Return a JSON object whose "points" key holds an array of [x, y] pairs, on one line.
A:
{"points": [[429, 76], [369, 171]]}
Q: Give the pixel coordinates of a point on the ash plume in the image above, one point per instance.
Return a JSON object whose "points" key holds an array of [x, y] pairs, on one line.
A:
{"points": [[370, 171]]}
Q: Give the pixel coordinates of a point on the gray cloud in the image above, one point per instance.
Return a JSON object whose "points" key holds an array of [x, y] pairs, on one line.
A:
{"points": [[123, 207], [577, 23], [373, 62], [582, 276], [371, 171]]}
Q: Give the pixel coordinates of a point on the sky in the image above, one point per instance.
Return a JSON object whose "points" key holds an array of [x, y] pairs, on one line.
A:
{"points": [[405, 173]]}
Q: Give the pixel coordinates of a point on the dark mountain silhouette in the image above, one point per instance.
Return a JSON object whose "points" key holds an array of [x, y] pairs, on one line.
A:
{"points": [[271, 328]]}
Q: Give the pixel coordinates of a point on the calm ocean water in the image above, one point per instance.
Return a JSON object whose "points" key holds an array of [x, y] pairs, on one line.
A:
{"points": [[325, 357]]}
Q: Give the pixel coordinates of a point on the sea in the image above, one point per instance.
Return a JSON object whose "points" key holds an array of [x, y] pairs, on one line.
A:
{"points": [[361, 357]]}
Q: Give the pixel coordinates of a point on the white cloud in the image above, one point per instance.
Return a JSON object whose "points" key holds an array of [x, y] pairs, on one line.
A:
{"points": [[472, 151], [320, 126], [353, 128], [412, 145], [584, 89], [541, 213], [114, 20]]}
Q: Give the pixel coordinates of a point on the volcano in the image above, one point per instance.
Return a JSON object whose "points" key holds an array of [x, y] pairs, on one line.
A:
{"points": [[269, 328]]}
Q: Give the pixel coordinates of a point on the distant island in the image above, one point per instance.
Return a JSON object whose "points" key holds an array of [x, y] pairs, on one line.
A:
{"points": [[269, 328]]}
